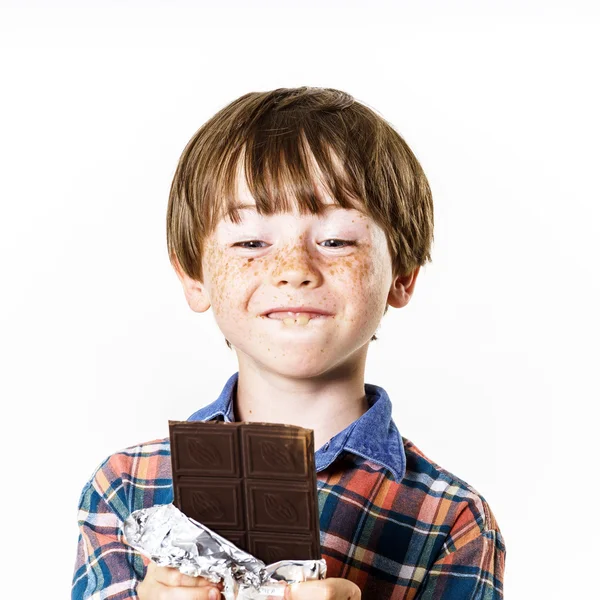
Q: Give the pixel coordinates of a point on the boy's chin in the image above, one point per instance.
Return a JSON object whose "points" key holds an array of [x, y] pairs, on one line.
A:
{"points": [[292, 365]]}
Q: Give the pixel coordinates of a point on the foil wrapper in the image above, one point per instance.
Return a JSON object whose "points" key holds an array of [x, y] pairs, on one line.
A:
{"points": [[169, 538]]}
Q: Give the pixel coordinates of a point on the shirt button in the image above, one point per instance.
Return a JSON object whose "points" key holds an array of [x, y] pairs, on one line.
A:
{"points": [[326, 446]]}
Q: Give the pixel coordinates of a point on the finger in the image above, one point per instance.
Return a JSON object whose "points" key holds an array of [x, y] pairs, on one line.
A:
{"points": [[173, 577], [163, 592], [333, 588], [280, 594]]}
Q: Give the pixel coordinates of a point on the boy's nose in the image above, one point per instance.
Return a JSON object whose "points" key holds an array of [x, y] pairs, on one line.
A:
{"points": [[297, 270], [296, 277]]}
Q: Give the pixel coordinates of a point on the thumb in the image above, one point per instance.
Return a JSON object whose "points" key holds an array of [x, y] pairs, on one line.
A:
{"points": [[333, 588]]}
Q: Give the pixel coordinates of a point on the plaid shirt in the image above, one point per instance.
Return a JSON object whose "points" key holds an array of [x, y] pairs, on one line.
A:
{"points": [[392, 521]]}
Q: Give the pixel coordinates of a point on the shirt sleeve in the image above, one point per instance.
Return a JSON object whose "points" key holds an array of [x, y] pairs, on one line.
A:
{"points": [[471, 567], [105, 567]]}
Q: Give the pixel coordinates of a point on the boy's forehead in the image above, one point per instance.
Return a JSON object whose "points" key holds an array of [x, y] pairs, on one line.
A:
{"points": [[244, 201]]}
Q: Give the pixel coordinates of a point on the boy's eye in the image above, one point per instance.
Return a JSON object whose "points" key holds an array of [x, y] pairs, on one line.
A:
{"points": [[250, 242], [347, 242]]}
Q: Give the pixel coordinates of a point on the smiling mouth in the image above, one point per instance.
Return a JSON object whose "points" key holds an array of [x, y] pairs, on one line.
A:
{"points": [[294, 318]]}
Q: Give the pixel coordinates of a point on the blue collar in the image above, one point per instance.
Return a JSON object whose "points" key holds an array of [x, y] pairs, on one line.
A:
{"points": [[373, 436]]}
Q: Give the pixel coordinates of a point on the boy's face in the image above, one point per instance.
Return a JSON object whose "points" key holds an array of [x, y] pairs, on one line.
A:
{"points": [[295, 261]]}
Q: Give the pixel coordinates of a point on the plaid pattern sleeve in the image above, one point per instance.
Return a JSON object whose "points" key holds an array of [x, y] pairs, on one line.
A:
{"points": [[471, 570], [430, 536], [106, 567], [471, 564], [426, 536]]}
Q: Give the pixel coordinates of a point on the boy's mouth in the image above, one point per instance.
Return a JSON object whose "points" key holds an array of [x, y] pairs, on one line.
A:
{"points": [[292, 318]]}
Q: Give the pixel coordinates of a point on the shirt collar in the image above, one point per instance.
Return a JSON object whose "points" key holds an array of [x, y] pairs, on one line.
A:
{"points": [[373, 436]]}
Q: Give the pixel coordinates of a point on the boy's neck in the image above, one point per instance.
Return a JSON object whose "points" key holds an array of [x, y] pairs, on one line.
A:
{"points": [[326, 406]]}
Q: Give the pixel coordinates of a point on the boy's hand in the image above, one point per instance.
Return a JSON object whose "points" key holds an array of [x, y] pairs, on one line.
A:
{"points": [[167, 583], [333, 588]]}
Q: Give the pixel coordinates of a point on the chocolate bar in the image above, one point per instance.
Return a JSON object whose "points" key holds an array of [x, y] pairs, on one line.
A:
{"points": [[255, 484]]}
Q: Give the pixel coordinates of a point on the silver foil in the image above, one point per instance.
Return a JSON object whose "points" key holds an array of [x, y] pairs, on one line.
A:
{"points": [[169, 538]]}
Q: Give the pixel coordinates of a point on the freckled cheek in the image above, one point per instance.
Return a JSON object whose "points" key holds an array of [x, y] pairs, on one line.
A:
{"points": [[229, 284], [358, 273], [362, 280]]}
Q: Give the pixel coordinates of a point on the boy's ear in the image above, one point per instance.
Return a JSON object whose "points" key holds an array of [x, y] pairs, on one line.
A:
{"points": [[195, 292], [402, 289]]}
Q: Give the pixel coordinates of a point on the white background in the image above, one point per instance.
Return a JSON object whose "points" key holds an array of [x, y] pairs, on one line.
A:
{"points": [[491, 367]]}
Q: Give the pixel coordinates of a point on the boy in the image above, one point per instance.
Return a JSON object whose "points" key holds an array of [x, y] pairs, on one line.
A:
{"points": [[299, 215]]}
